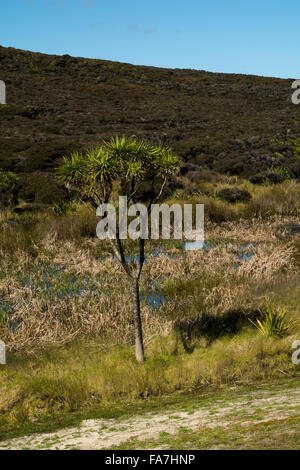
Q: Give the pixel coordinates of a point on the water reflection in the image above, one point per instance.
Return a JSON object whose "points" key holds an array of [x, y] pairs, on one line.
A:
{"points": [[194, 245]]}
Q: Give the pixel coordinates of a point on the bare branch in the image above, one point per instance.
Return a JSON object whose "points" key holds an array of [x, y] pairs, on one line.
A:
{"points": [[155, 199]]}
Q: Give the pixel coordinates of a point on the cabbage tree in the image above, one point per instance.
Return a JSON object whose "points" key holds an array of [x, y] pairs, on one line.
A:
{"points": [[119, 167]]}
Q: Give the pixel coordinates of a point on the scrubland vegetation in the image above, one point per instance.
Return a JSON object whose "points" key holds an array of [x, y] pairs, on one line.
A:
{"points": [[66, 308], [214, 319]]}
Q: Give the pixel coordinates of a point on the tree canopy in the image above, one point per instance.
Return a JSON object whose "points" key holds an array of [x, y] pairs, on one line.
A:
{"points": [[119, 167], [121, 161]]}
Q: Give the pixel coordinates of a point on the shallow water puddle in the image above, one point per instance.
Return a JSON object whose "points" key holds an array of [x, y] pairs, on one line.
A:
{"points": [[53, 282]]}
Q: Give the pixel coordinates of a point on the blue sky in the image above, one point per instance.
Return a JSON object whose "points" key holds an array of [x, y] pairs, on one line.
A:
{"points": [[259, 37]]}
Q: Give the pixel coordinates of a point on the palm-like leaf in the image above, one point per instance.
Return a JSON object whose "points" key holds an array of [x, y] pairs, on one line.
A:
{"points": [[73, 169], [120, 159], [275, 323], [101, 166]]}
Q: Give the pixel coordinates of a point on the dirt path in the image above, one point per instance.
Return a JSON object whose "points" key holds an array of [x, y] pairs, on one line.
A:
{"points": [[254, 407]]}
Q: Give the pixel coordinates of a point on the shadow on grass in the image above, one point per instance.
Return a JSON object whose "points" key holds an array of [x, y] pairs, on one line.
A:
{"points": [[211, 327]]}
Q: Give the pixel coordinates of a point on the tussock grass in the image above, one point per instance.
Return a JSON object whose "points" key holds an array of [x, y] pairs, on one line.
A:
{"points": [[266, 201], [69, 329], [27, 230], [62, 291], [92, 374]]}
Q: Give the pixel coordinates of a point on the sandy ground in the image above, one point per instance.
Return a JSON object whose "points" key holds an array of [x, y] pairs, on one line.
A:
{"points": [[261, 406]]}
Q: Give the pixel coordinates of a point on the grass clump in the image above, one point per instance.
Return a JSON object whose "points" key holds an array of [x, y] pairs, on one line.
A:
{"points": [[275, 322], [92, 376], [68, 324]]}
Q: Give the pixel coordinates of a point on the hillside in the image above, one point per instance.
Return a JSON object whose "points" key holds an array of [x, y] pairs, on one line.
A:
{"points": [[219, 319], [223, 122]]}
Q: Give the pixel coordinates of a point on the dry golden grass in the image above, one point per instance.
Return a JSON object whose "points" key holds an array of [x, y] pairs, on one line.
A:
{"points": [[214, 281], [266, 201], [74, 351]]}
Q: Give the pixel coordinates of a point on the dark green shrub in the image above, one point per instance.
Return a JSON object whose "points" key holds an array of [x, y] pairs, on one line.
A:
{"points": [[267, 177], [9, 188], [41, 188], [234, 195]]}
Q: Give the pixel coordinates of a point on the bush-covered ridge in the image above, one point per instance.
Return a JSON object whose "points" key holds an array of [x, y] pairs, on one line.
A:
{"points": [[237, 124]]}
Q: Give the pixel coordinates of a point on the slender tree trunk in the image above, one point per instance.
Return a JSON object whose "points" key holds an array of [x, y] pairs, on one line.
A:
{"points": [[139, 346]]}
